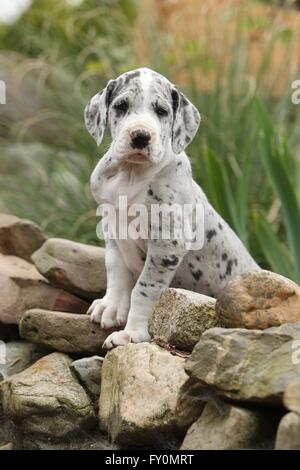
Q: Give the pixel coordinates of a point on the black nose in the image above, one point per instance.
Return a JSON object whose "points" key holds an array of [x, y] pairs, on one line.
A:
{"points": [[140, 139]]}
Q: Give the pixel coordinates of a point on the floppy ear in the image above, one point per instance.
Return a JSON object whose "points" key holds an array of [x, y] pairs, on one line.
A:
{"points": [[96, 112], [186, 120]]}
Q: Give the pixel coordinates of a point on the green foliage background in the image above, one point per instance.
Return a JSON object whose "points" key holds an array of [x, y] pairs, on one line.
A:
{"points": [[246, 155]]}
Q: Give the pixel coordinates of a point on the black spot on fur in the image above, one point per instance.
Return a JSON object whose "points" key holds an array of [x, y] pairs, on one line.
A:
{"points": [[210, 234], [144, 284], [175, 100], [179, 163], [220, 226], [152, 261], [197, 274], [229, 267], [132, 75], [150, 192], [178, 132], [184, 101], [109, 93], [172, 261], [175, 242], [224, 256], [143, 293]]}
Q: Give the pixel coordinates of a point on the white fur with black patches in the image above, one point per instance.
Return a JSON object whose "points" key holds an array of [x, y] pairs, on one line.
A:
{"points": [[145, 104]]}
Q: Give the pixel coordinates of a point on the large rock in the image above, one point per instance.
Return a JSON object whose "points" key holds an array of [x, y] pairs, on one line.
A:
{"points": [[259, 300], [73, 266], [222, 426], [8, 446], [23, 288], [19, 237], [249, 365], [18, 355], [88, 371], [93, 440], [181, 316], [46, 399], [139, 390], [288, 434], [192, 398], [65, 332], [291, 396]]}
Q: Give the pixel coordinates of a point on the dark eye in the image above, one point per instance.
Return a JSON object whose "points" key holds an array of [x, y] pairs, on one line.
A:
{"points": [[160, 111], [121, 106]]}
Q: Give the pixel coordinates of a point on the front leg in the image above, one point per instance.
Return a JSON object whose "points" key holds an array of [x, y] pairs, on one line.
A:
{"points": [[163, 259], [112, 310]]}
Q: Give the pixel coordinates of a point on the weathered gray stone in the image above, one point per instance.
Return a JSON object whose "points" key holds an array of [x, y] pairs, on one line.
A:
{"points": [[65, 332], [258, 300], [19, 237], [75, 267], [222, 426], [8, 446], [139, 390], [288, 434], [181, 316], [18, 355], [248, 365], [291, 397], [91, 440], [192, 398], [88, 371], [46, 399], [23, 288]]}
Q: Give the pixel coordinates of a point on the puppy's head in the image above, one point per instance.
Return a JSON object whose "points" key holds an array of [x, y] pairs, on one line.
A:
{"points": [[147, 116]]}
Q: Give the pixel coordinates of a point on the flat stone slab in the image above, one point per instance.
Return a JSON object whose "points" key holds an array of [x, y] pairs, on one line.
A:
{"points": [[23, 288], [19, 237], [65, 332], [73, 266], [246, 365]]}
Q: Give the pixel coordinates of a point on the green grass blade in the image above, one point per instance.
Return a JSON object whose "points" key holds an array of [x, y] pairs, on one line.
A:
{"points": [[280, 181], [276, 253]]}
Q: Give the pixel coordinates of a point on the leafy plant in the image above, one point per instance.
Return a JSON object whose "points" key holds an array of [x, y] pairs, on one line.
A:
{"points": [[278, 165]]}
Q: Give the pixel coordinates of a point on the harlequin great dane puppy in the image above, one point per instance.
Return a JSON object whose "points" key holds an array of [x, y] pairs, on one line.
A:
{"points": [[151, 123]]}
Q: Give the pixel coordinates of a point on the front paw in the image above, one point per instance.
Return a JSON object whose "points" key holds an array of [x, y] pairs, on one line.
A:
{"points": [[110, 312], [121, 338]]}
